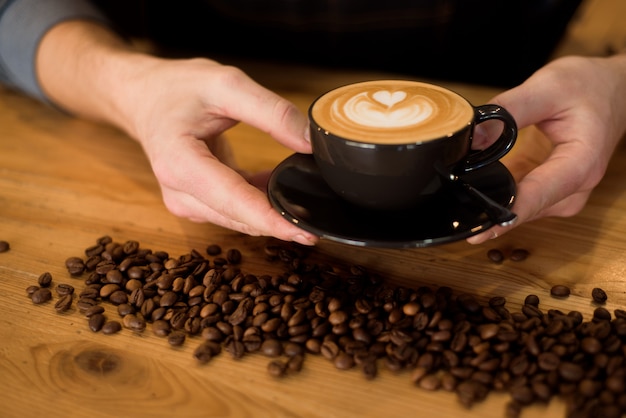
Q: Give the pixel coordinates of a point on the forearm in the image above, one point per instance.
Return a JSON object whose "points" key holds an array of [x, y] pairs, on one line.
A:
{"points": [[85, 68]]}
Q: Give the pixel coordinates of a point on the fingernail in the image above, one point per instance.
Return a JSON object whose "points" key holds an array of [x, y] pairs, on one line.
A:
{"points": [[476, 239], [304, 240], [307, 134]]}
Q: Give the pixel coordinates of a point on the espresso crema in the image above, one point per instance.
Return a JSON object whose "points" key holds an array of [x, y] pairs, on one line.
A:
{"points": [[392, 112]]}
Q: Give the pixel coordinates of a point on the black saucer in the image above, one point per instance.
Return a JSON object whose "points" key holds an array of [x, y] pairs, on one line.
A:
{"points": [[297, 191]]}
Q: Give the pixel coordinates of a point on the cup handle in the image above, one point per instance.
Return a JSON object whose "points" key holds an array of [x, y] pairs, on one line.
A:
{"points": [[503, 144]]}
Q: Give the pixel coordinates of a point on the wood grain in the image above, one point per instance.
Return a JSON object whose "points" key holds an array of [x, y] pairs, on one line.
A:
{"points": [[65, 182]]}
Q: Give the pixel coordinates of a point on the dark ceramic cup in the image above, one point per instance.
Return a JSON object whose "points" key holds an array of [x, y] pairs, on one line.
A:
{"points": [[389, 144]]}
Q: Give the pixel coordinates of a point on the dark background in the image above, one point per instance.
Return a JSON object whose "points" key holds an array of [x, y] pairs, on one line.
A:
{"points": [[491, 42]]}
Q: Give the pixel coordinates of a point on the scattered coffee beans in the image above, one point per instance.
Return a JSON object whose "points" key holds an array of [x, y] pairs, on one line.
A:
{"points": [[4, 246], [446, 341]]}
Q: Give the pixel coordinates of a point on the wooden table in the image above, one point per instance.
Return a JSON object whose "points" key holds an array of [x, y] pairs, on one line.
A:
{"points": [[65, 182]]}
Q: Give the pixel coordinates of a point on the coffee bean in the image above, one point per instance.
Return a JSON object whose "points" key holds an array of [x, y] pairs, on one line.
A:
{"points": [[96, 322], [571, 371], [161, 328], [203, 353], [271, 348], [213, 250], [134, 323], [45, 279], [64, 303], [41, 295], [64, 289], [495, 255], [599, 295], [176, 338], [111, 327], [295, 362], [519, 254], [276, 368], [4, 246], [559, 291], [343, 361], [93, 310], [31, 289], [75, 266], [532, 300]]}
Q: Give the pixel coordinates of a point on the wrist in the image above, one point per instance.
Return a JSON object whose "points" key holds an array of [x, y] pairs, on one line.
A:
{"points": [[83, 68]]}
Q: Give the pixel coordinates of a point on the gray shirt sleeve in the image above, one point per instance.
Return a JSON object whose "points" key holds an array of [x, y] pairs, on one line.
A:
{"points": [[23, 23]]}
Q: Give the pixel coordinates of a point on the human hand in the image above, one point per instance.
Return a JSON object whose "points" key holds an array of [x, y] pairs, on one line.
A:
{"points": [[578, 104], [179, 109]]}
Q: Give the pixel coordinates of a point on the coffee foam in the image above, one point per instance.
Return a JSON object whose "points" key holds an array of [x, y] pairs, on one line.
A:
{"points": [[392, 111]]}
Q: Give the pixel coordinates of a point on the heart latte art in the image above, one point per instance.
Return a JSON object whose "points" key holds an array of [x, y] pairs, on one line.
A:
{"points": [[391, 111]]}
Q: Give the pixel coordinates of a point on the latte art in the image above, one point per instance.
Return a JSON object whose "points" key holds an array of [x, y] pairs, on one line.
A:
{"points": [[385, 110], [391, 111]]}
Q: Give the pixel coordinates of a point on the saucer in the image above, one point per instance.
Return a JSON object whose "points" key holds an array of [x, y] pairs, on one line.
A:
{"points": [[298, 192]]}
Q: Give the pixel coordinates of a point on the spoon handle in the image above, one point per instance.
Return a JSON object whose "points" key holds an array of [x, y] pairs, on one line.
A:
{"points": [[496, 212]]}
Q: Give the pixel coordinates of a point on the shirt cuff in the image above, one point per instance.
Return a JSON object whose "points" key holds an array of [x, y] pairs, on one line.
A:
{"points": [[23, 23]]}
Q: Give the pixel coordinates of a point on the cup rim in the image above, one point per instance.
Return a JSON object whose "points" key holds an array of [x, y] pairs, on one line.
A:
{"points": [[365, 143]]}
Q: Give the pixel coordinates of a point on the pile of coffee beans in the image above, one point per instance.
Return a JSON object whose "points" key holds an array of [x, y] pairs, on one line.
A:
{"points": [[353, 318]]}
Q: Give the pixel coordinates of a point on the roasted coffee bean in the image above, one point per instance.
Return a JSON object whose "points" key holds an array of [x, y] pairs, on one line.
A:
{"points": [[45, 279], [601, 313], [233, 256], [295, 362], [571, 372], [161, 328], [203, 353], [31, 289], [236, 348], [560, 291], [134, 323], [96, 322], [64, 289], [41, 295], [4, 246], [599, 295], [495, 255], [213, 249], [75, 266], [343, 361], [125, 309], [93, 310], [532, 300], [118, 297], [108, 289], [64, 303], [111, 327], [271, 348], [519, 254], [84, 304], [276, 368], [176, 338]]}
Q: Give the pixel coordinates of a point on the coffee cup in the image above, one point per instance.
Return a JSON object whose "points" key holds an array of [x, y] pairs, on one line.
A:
{"points": [[390, 144]]}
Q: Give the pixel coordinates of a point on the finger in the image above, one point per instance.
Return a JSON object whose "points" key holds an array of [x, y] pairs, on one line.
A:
{"points": [[528, 105], [546, 189], [218, 194], [248, 102]]}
